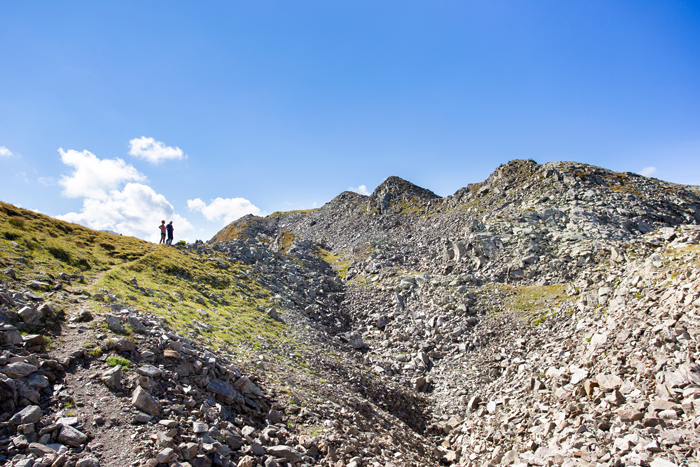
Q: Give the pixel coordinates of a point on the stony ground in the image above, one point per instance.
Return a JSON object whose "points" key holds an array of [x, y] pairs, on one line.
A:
{"points": [[547, 316]]}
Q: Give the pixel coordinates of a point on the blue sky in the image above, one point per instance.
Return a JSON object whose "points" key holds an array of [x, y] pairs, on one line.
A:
{"points": [[273, 105]]}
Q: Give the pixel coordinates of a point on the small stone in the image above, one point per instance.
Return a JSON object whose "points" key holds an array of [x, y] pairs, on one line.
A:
{"points": [[274, 416], [113, 378], [115, 323], [67, 421], [199, 427], [47, 311], [170, 353], [248, 387], [166, 455], [84, 316], [143, 401], [29, 414], [659, 462], [257, 449], [286, 452], [356, 340], [142, 418], [272, 313], [18, 370], [608, 382], [149, 370], [39, 450], [630, 415], [246, 461], [71, 436], [89, 461]]}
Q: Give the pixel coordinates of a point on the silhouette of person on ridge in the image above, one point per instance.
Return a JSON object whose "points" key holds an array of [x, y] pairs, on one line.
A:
{"points": [[162, 233], [170, 230]]}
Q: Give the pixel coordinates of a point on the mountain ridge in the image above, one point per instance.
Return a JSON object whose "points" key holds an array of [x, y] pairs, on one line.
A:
{"points": [[549, 315]]}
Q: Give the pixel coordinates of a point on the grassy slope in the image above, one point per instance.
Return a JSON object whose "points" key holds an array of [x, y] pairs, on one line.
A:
{"points": [[172, 283]]}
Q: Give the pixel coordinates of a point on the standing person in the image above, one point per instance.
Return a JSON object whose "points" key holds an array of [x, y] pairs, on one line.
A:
{"points": [[162, 233], [170, 229]]}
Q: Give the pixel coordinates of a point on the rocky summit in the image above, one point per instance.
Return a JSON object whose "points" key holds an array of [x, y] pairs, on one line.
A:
{"points": [[546, 316]]}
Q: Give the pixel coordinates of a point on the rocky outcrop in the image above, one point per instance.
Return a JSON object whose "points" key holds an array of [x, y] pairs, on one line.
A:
{"points": [[546, 316]]}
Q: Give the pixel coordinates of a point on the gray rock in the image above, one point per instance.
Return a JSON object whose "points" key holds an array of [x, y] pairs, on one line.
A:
{"points": [[67, 421], [84, 316], [89, 461], [18, 370], [224, 390], [286, 452], [29, 414], [115, 323], [142, 418], [38, 285], [272, 313], [149, 370], [71, 436], [136, 324], [29, 315], [47, 311], [40, 450], [199, 427], [356, 340], [113, 378], [143, 401], [12, 337], [248, 388], [167, 455], [608, 382]]}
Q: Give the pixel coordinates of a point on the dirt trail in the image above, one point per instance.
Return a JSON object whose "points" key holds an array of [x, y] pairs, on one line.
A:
{"points": [[103, 414]]}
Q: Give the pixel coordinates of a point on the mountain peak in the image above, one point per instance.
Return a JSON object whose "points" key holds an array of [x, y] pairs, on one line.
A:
{"points": [[396, 193]]}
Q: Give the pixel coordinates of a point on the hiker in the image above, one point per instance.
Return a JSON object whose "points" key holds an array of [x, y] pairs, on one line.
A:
{"points": [[170, 229], [162, 233]]}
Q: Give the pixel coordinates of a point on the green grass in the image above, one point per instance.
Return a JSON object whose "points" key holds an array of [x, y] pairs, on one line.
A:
{"points": [[535, 301], [114, 361], [178, 284]]}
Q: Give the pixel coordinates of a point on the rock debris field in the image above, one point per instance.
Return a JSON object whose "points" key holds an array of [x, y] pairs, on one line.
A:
{"points": [[546, 316]]}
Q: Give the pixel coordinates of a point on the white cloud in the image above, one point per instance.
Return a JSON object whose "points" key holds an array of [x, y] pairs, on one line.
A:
{"points": [[136, 210], [153, 151], [23, 176], [4, 152], [228, 209], [93, 177], [362, 189], [46, 181], [648, 171]]}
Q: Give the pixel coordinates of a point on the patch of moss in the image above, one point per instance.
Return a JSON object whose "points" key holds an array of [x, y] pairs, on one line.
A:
{"points": [[533, 300], [114, 361]]}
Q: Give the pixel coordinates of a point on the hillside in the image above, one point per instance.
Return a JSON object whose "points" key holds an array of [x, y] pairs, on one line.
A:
{"points": [[546, 316]]}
